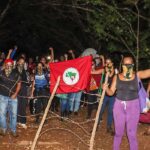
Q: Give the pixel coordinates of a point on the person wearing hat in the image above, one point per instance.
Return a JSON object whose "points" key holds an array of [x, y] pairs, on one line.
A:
{"points": [[9, 87]]}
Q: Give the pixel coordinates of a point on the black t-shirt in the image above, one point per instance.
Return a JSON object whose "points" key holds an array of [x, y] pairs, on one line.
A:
{"points": [[8, 84], [127, 90], [24, 82], [24, 77]]}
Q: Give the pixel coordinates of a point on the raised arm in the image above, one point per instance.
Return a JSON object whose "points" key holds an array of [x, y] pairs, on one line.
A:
{"points": [[111, 91], [9, 53], [13, 52], [144, 74], [72, 54], [7, 57], [32, 88], [52, 54], [99, 71], [102, 59], [66, 57]]}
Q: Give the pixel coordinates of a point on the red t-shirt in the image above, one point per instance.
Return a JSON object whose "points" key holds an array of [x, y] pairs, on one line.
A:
{"points": [[95, 80]]}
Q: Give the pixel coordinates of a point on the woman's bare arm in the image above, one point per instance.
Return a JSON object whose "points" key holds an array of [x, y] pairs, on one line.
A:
{"points": [[51, 54], [33, 88], [99, 71], [144, 74], [111, 91]]}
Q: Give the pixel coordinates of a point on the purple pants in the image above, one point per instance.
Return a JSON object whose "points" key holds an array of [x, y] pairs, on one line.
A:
{"points": [[126, 114]]}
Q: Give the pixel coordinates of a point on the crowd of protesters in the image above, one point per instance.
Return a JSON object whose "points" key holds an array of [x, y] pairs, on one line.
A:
{"points": [[25, 82]]}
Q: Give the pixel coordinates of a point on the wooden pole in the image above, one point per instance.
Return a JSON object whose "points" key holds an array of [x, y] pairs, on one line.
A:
{"points": [[138, 36], [45, 114], [97, 116]]}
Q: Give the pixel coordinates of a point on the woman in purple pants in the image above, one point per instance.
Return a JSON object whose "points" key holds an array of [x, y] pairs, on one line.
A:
{"points": [[126, 109]]}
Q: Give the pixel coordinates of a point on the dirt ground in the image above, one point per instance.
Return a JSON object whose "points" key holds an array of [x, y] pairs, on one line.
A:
{"points": [[72, 134]]}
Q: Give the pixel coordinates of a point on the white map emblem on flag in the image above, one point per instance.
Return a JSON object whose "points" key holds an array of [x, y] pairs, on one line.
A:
{"points": [[71, 76]]}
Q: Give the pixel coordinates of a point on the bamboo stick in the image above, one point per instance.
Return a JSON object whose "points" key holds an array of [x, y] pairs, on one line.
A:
{"points": [[45, 114], [97, 116]]}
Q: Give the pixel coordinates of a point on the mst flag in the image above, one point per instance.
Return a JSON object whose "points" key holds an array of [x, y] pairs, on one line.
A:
{"points": [[75, 74]]}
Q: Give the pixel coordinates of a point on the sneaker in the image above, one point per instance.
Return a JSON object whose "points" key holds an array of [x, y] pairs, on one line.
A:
{"points": [[2, 132], [22, 125], [14, 134]]}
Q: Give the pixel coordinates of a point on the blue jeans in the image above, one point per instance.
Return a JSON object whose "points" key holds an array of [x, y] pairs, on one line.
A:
{"points": [[108, 100], [64, 105], [10, 105], [74, 101]]}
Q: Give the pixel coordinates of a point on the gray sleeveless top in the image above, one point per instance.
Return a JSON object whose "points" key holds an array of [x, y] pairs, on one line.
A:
{"points": [[127, 90]]}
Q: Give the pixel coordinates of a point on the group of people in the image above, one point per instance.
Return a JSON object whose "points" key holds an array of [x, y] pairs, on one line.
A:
{"points": [[25, 81]]}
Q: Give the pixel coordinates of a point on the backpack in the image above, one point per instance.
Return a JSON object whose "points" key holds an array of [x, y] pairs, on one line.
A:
{"points": [[145, 118], [143, 97]]}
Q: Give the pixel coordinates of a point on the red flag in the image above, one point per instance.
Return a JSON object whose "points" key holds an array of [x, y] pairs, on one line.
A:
{"points": [[75, 74]]}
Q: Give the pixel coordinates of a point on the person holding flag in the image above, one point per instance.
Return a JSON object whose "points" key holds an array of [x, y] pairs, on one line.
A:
{"points": [[94, 86], [75, 74]]}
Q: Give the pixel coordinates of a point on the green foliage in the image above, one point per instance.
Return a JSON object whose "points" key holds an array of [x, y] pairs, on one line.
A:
{"points": [[102, 24], [115, 22]]}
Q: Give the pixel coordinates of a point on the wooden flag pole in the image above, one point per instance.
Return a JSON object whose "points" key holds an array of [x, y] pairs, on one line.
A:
{"points": [[45, 114], [97, 116]]}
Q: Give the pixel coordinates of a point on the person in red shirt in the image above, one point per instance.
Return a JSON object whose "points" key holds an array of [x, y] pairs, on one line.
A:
{"points": [[94, 86]]}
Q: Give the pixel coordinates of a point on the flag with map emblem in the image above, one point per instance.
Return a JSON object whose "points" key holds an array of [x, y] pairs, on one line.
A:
{"points": [[75, 74]]}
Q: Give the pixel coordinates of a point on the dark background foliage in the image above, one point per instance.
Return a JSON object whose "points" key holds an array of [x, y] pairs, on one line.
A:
{"points": [[106, 25]]}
